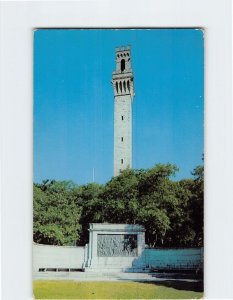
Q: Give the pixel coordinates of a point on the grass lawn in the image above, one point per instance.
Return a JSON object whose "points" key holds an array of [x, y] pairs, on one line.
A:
{"points": [[109, 290]]}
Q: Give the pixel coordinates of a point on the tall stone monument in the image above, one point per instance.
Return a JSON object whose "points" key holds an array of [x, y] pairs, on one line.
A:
{"points": [[123, 86]]}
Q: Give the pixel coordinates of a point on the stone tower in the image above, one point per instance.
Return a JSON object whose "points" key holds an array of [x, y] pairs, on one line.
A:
{"points": [[122, 81]]}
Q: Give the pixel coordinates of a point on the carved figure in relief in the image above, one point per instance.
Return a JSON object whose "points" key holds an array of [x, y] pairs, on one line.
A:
{"points": [[117, 245]]}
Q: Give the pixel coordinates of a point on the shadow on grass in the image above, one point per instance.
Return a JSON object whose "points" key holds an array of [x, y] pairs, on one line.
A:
{"points": [[179, 285]]}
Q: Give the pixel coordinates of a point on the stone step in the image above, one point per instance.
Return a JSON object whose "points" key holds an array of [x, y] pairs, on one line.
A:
{"points": [[115, 270]]}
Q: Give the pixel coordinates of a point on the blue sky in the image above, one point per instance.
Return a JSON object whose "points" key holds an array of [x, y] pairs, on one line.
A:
{"points": [[73, 101]]}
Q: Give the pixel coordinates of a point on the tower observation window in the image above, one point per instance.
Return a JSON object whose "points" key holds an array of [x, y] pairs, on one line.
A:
{"points": [[122, 65]]}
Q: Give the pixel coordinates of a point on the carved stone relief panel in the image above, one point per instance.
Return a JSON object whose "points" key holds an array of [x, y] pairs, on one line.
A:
{"points": [[116, 245]]}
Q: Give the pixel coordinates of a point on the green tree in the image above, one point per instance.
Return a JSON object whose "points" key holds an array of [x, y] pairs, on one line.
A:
{"points": [[55, 214], [197, 204], [91, 203], [160, 204], [120, 198], [171, 211], [195, 208]]}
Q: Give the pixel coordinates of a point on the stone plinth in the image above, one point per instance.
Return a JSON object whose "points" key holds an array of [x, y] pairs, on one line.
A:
{"points": [[115, 247]]}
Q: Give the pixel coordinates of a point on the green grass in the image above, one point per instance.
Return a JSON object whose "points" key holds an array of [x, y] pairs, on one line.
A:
{"points": [[109, 290]]}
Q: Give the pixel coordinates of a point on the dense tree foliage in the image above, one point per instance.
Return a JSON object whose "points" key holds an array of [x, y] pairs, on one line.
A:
{"points": [[171, 211], [55, 213]]}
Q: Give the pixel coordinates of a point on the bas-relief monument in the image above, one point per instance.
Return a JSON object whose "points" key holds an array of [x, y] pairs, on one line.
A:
{"points": [[114, 246]]}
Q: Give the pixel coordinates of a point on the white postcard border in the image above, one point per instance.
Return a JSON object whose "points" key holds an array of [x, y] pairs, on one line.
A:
{"points": [[17, 21]]}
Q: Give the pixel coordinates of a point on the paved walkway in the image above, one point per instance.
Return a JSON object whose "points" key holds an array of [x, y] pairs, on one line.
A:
{"points": [[104, 276]]}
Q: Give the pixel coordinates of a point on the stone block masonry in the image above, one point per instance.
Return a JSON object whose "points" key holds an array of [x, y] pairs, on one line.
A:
{"points": [[123, 87], [114, 247]]}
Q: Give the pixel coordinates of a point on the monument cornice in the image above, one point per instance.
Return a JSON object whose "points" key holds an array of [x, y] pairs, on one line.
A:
{"points": [[109, 227]]}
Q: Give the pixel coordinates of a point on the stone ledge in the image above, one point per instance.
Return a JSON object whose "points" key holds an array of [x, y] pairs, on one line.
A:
{"points": [[116, 227]]}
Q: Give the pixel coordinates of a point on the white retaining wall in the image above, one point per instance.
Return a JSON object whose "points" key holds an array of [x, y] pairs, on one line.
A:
{"points": [[46, 256], [190, 258]]}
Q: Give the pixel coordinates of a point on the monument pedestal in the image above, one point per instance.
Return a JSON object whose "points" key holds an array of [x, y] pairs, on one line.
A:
{"points": [[115, 248]]}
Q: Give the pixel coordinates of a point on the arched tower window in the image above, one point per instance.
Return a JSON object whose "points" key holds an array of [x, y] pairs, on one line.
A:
{"points": [[121, 86], [128, 86], [122, 65], [117, 87], [124, 85]]}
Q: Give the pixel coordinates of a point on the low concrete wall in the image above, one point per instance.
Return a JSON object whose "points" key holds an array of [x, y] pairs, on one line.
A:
{"points": [[191, 258], [63, 257], [46, 256]]}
